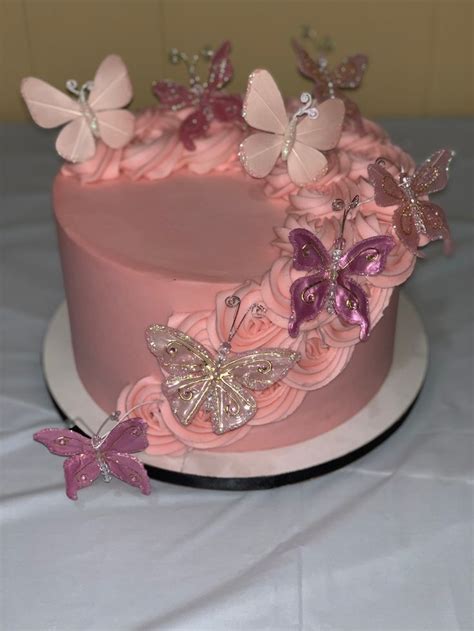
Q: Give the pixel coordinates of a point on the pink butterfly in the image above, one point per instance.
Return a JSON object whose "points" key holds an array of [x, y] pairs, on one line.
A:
{"points": [[330, 283], [95, 113], [331, 83], [208, 102], [298, 140], [414, 216], [109, 455]]}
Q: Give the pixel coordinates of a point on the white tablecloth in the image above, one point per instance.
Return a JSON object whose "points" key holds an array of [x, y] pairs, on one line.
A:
{"points": [[385, 543]]}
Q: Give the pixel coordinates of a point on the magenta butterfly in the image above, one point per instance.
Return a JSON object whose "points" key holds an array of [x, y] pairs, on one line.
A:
{"points": [[88, 458], [330, 283], [205, 97], [329, 84], [414, 216]]}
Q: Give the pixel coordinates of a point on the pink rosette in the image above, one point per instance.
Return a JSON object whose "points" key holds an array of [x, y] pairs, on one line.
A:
{"points": [[278, 183], [276, 403], [254, 332], [104, 165], [217, 151], [318, 202], [195, 325], [393, 154], [339, 167], [327, 229], [154, 160], [400, 261], [319, 363]]}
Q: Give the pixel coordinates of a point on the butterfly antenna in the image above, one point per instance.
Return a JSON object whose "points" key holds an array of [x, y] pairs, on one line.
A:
{"points": [[338, 205], [234, 302], [123, 416]]}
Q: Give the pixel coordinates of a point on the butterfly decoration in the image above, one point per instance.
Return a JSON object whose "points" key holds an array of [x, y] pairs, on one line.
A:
{"points": [[220, 385], [330, 283], [298, 140], [206, 98], [109, 455], [414, 216], [93, 112], [330, 84]]}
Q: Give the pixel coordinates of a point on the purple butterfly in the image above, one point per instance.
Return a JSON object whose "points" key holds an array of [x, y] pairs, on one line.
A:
{"points": [[109, 455], [330, 284], [206, 98]]}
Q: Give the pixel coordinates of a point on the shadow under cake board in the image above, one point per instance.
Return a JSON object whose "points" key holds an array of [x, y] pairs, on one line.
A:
{"points": [[274, 467]]}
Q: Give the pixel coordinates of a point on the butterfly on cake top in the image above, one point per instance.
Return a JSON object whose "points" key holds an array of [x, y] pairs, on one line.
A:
{"points": [[221, 385], [106, 454], [206, 98], [330, 281], [415, 215], [93, 111], [298, 140], [330, 84]]}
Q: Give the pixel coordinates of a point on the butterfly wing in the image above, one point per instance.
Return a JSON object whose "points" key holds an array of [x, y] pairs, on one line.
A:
{"points": [[263, 107], [324, 131], [230, 405], [128, 436], [189, 365], [174, 96], [193, 126], [349, 73], [351, 305], [259, 152], [112, 87], [220, 70], [367, 257], [432, 175], [309, 253], [436, 225], [48, 106], [260, 368], [306, 164], [386, 189], [80, 471], [307, 65], [130, 470], [75, 141], [405, 227], [226, 107], [63, 442], [116, 127], [308, 296]]}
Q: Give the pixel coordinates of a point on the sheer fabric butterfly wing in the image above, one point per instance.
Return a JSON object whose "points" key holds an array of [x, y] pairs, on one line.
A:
{"points": [[80, 471], [63, 442], [436, 225], [127, 436], [128, 469], [263, 109], [349, 73], [112, 91], [432, 175], [306, 162], [189, 368], [387, 190], [308, 66]]}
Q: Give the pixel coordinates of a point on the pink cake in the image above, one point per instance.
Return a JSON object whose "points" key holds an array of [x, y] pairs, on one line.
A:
{"points": [[164, 227]]}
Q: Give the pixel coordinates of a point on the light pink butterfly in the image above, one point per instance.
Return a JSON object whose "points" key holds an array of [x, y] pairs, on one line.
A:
{"points": [[298, 140], [88, 458], [94, 113]]}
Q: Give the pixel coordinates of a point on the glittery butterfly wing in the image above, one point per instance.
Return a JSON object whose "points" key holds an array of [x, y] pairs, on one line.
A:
{"points": [[264, 109], [188, 366], [233, 404], [129, 469], [306, 162], [307, 65], [63, 442], [112, 91], [49, 107], [366, 258], [387, 191], [80, 471], [308, 294], [349, 73], [128, 436]]}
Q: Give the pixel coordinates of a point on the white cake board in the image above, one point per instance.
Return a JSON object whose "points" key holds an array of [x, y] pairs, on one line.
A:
{"points": [[260, 469]]}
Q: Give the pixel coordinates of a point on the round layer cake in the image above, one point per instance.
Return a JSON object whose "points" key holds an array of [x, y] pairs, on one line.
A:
{"points": [[155, 233]]}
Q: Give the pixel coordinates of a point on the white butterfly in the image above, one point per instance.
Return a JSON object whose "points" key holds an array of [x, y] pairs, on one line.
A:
{"points": [[221, 385], [298, 141], [94, 113]]}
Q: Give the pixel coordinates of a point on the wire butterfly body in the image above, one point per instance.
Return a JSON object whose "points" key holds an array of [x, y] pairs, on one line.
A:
{"points": [[414, 216], [109, 455], [221, 385], [206, 98], [330, 84]]}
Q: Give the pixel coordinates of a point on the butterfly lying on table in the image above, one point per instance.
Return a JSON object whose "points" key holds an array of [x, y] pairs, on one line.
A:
{"points": [[220, 385], [329, 84], [298, 140], [413, 216], [330, 283], [206, 98], [88, 458], [95, 113]]}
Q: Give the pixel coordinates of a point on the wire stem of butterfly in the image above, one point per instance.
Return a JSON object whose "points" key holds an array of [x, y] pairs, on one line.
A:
{"points": [[234, 302]]}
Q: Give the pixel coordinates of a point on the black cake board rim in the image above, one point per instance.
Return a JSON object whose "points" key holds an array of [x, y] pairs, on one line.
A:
{"points": [[265, 469]]}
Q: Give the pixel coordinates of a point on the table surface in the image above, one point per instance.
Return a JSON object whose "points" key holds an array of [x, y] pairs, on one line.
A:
{"points": [[384, 544]]}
